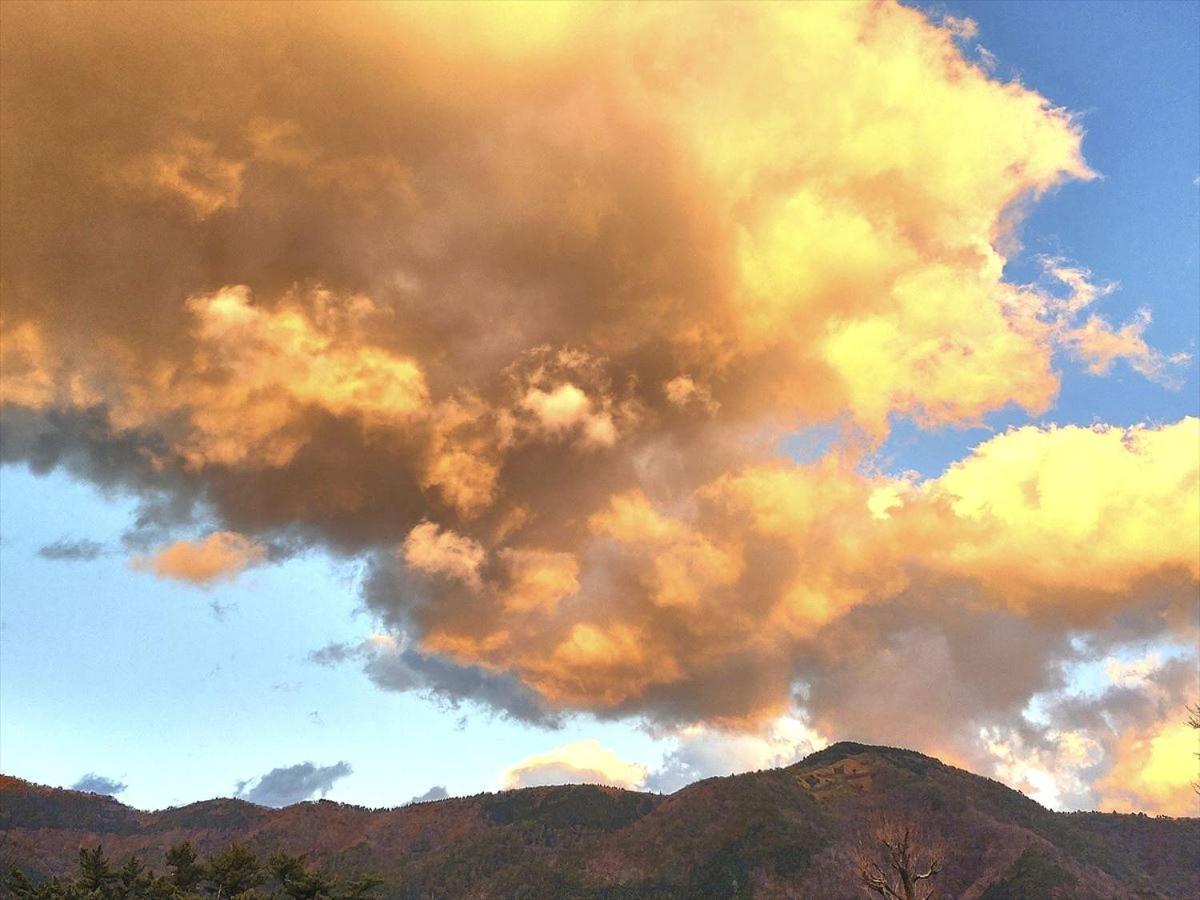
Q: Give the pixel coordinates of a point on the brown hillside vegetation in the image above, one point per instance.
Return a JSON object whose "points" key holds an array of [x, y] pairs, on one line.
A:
{"points": [[790, 832]]}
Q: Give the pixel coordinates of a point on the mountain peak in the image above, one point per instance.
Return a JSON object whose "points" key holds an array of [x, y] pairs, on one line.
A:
{"points": [[786, 832], [911, 760]]}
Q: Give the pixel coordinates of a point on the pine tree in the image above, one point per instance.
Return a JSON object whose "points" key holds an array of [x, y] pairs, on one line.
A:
{"points": [[186, 870], [96, 875], [233, 871], [136, 881]]}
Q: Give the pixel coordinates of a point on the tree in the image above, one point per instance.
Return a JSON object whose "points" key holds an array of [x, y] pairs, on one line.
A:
{"points": [[233, 871], [186, 870], [136, 881], [894, 862], [96, 875], [19, 885], [230, 873], [1194, 721], [297, 880]]}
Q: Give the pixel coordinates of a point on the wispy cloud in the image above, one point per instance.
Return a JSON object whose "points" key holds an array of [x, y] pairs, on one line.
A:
{"points": [[72, 550]]}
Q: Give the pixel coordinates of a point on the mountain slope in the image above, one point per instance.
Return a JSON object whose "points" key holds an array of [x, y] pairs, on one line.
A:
{"points": [[779, 833]]}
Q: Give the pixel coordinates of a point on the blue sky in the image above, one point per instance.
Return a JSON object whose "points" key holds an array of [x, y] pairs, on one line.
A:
{"points": [[110, 670], [182, 692], [1129, 71]]}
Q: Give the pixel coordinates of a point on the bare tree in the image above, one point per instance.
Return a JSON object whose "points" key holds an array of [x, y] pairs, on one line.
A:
{"points": [[1194, 721], [895, 860]]}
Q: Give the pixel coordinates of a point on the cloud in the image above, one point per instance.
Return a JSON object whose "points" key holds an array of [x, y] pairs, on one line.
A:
{"points": [[697, 752], [523, 326], [1126, 746], [395, 664], [221, 556], [292, 784], [98, 784], [71, 550], [1154, 769], [1099, 343], [437, 792], [703, 752], [582, 762], [960, 27]]}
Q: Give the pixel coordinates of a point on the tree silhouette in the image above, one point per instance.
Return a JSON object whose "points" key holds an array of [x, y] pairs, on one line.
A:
{"points": [[1194, 721], [895, 861], [230, 873]]}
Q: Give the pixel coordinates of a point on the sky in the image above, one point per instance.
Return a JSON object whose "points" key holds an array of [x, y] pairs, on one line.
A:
{"points": [[403, 401]]}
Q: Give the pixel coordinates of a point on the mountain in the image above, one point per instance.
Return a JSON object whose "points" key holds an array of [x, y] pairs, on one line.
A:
{"points": [[781, 833]]}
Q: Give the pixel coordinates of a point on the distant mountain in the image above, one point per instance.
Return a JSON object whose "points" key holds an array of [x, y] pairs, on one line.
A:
{"points": [[781, 833]]}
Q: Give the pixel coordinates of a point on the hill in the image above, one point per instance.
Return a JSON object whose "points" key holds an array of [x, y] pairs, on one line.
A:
{"points": [[779, 833]]}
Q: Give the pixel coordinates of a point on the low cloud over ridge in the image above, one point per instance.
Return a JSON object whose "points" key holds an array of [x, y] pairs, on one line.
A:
{"points": [[98, 784], [292, 784]]}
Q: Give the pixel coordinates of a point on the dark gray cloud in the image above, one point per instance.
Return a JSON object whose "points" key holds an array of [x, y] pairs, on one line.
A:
{"points": [[292, 784], [451, 685], [404, 668], [98, 784], [71, 550], [437, 792], [334, 654]]}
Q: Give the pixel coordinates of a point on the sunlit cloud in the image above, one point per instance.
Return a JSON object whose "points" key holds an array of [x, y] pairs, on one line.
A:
{"points": [[581, 762], [523, 326], [221, 556]]}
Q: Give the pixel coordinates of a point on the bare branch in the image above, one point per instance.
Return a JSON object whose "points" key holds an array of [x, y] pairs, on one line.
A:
{"points": [[900, 862]]}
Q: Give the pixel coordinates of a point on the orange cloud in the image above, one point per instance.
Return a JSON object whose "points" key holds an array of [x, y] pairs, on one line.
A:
{"points": [[194, 172], [429, 549], [528, 320], [221, 556], [1058, 524], [833, 246], [538, 579], [1155, 771], [1074, 516]]}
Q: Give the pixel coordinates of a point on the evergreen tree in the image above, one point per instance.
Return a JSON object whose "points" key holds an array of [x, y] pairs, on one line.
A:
{"points": [[233, 871], [96, 875], [297, 880], [186, 870], [136, 881]]}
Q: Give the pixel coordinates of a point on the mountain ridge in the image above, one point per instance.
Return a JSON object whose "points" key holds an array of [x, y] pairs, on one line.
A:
{"points": [[786, 832]]}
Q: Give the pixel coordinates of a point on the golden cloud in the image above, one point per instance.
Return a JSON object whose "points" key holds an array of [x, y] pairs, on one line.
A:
{"points": [[221, 556], [585, 762], [1154, 770], [520, 299]]}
